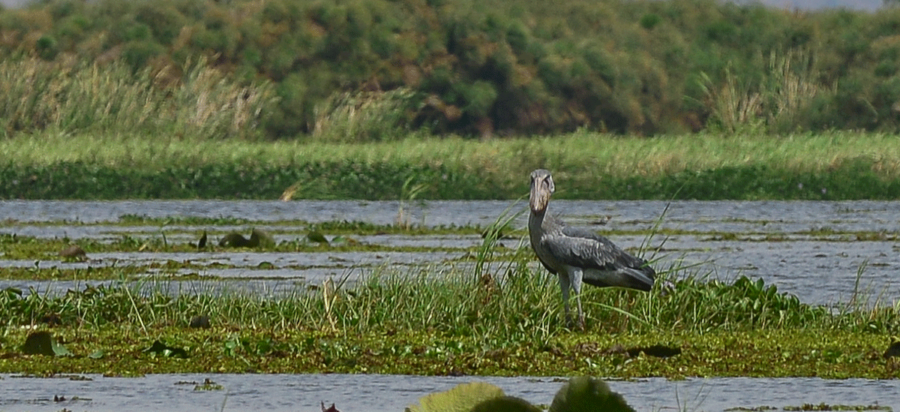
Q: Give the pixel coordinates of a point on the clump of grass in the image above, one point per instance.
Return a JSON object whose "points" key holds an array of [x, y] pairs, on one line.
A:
{"points": [[515, 303], [408, 194], [775, 102], [365, 116], [74, 96], [792, 88], [735, 106]]}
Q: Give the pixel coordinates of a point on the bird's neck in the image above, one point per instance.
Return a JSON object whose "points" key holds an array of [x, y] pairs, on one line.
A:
{"points": [[542, 220], [536, 217], [535, 221], [546, 221]]}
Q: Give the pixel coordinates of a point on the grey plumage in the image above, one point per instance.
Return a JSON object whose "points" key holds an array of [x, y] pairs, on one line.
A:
{"points": [[576, 255]]}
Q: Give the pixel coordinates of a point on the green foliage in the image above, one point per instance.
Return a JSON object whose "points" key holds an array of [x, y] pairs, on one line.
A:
{"points": [[421, 321], [137, 53], [461, 398], [748, 302], [335, 181], [831, 166], [580, 394], [42, 343], [650, 20], [164, 22], [505, 404], [477, 68], [585, 394], [479, 98], [47, 47]]}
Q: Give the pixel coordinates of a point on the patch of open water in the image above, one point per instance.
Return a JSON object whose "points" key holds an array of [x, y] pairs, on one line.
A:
{"points": [[703, 215], [377, 393], [819, 270]]}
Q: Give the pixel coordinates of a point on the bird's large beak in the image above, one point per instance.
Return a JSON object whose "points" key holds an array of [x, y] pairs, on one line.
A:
{"points": [[541, 188]]}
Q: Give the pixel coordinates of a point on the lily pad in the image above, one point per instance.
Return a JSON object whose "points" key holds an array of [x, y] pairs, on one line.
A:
{"points": [[586, 394], [42, 343], [260, 238], [161, 349], [234, 240], [462, 398], [505, 404], [316, 237]]}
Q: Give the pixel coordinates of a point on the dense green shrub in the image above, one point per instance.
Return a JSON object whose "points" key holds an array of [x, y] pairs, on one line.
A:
{"points": [[509, 67]]}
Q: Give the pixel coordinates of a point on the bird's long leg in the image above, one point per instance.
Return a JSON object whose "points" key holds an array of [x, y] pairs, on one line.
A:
{"points": [[576, 276], [564, 286]]}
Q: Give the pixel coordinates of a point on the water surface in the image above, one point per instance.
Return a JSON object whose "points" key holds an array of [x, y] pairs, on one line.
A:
{"points": [[392, 393], [807, 248]]}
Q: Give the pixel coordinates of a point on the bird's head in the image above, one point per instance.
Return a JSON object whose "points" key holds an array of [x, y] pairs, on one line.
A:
{"points": [[541, 189]]}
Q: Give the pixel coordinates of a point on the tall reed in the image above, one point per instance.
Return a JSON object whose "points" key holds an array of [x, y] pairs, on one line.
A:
{"points": [[72, 96]]}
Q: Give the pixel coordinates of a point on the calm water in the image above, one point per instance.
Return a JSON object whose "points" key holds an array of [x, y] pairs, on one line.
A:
{"points": [[392, 393], [819, 270]]}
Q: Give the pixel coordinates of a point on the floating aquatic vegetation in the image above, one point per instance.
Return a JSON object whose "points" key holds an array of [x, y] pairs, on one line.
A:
{"points": [[43, 343], [579, 394]]}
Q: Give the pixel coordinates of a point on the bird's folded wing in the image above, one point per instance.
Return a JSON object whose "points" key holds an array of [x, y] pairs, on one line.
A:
{"points": [[582, 252]]}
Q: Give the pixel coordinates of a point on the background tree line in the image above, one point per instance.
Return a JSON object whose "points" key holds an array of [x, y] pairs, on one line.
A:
{"points": [[372, 69]]}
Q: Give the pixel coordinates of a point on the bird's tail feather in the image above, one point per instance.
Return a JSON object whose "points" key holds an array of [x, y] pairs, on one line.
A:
{"points": [[624, 277]]}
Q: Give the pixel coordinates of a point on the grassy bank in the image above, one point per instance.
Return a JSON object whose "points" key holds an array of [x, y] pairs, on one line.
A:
{"points": [[835, 166], [414, 323]]}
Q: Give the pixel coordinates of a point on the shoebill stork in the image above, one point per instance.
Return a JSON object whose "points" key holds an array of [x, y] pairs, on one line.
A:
{"points": [[576, 255]]}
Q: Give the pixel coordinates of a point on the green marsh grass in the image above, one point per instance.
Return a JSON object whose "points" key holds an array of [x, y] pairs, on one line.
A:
{"points": [[828, 166], [437, 321], [603, 154]]}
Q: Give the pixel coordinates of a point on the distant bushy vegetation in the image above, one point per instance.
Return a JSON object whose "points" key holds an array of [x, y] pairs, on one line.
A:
{"points": [[372, 69]]}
